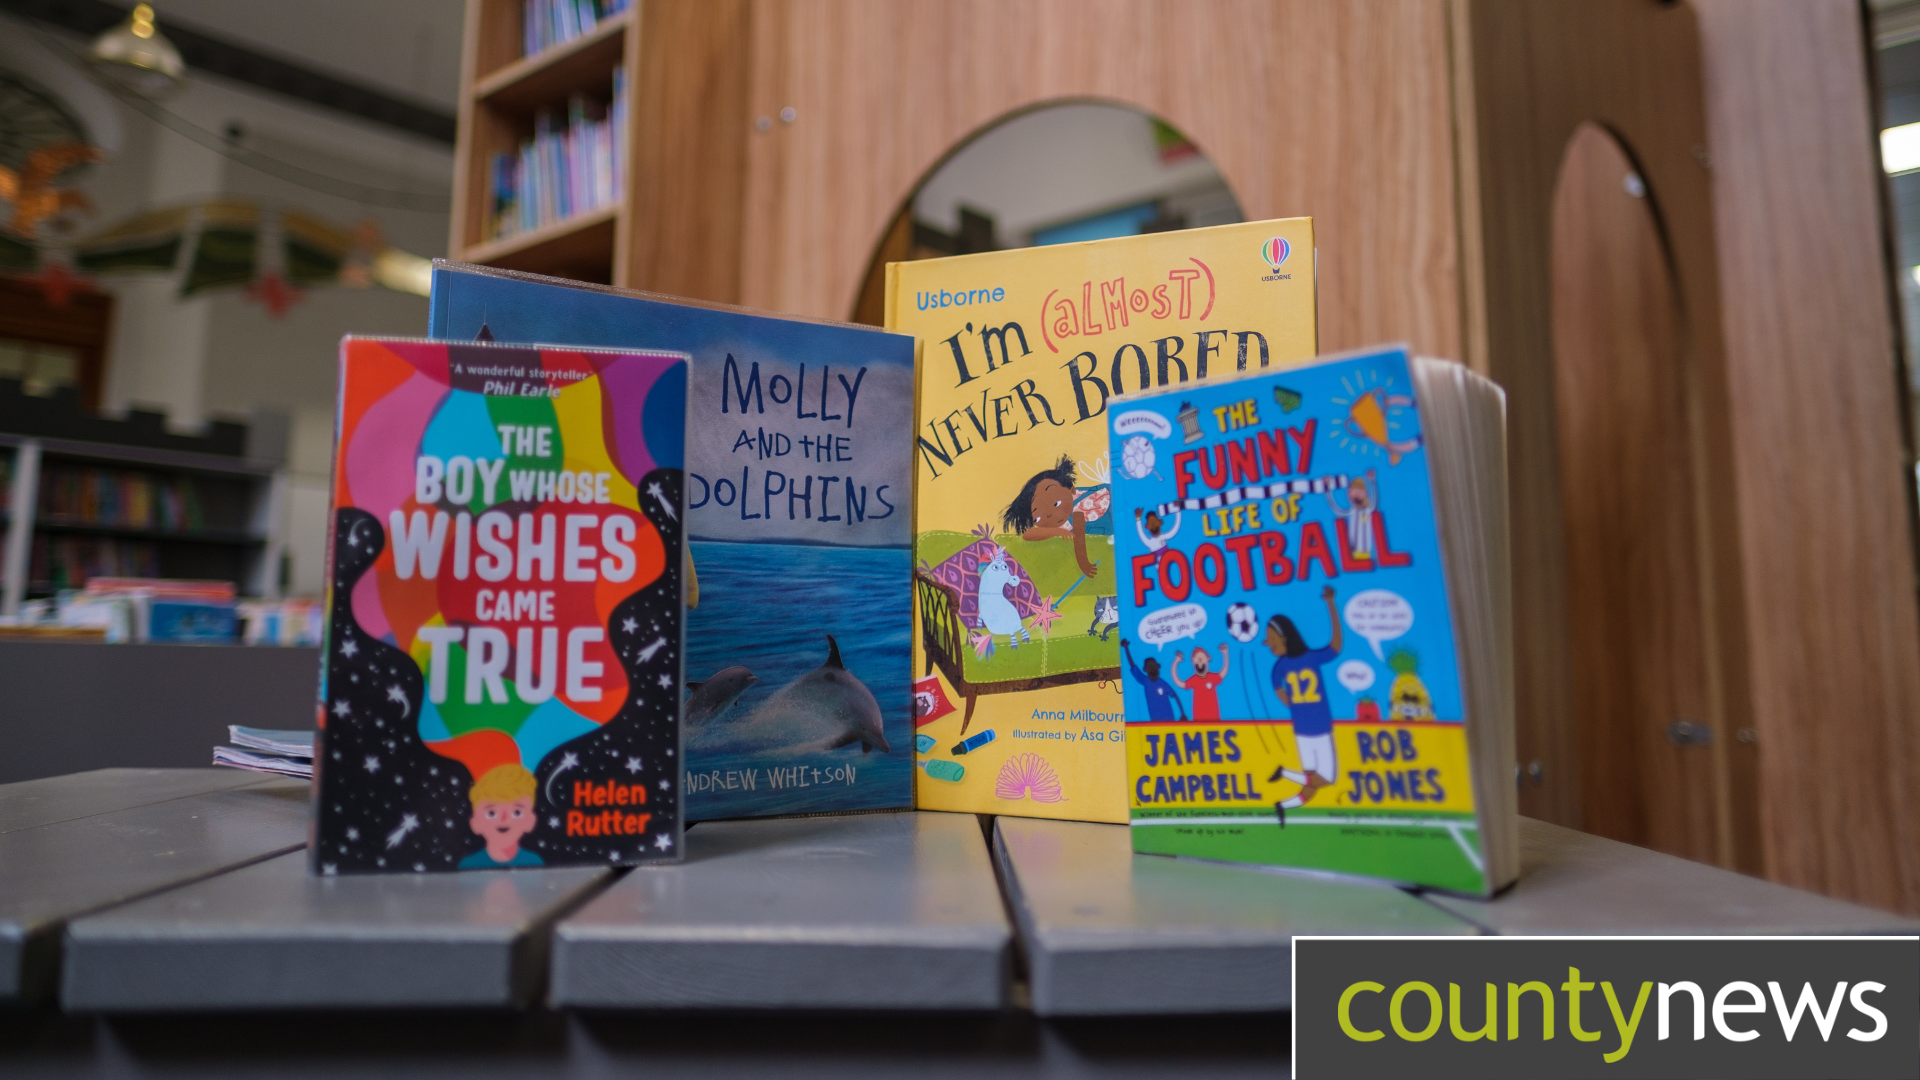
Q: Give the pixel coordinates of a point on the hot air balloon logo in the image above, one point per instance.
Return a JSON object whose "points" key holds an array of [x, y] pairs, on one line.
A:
{"points": [[1275, 251], [1377, 418]]}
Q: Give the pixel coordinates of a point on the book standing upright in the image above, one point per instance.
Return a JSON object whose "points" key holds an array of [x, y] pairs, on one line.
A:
{"points": [[1017, 699], [501, 677], [798, 508], [1314, 620]]}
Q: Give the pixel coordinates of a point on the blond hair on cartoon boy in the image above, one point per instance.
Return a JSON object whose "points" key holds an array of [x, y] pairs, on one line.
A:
{"points": [[502, 816]]}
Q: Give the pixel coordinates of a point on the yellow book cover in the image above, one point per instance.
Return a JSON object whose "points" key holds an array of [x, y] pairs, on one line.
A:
{"points": [[1017, 703]]}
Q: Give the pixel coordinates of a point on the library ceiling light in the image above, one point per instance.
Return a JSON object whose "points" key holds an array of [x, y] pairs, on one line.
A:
{"points": [[137, 55], [1900, 148]]}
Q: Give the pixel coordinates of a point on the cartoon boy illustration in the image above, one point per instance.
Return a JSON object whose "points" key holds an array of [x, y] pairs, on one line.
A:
{"points": [[1204, 684], [1363, 498], [502, 816], [1044, 508], [1299, 684], [1161, 700]]}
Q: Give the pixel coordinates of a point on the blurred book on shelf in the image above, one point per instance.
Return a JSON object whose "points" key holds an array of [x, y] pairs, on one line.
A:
{"points": [[96, 496], [297, 621], [556, 22], [571, 166], [138, 609], [59, 563]]}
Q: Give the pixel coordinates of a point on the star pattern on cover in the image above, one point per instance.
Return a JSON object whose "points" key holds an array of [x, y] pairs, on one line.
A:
{"points": [[643, 634], [384, 772], [419, 821]]}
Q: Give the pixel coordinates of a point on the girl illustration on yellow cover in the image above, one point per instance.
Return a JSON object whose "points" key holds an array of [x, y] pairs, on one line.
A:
{"points": [[1049, 506]]}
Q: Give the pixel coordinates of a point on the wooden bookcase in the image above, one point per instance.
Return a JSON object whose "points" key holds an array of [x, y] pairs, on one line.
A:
{"points": [[500, 92], [773, 145]]}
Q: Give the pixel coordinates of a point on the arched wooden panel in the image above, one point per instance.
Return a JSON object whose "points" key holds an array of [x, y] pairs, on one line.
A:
{"points": [[1635, 633], [1531, 75], [1339, 111]]}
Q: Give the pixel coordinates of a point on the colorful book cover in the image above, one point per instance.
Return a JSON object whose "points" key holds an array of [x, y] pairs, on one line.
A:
{"points": [[1292, 680], [502, 671], [1018, 704], [798, 502]]}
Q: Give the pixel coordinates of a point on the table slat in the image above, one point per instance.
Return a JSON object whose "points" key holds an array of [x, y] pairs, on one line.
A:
{"points": [[272, 935], [30, 804], [1107, 931], [1575, 883], [62, 870], [874, 911]]}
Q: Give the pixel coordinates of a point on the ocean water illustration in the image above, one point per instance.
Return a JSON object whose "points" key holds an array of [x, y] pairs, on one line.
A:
{"points": [[769, 608]]}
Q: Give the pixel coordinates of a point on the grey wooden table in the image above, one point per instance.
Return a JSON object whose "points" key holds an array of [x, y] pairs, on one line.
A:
{"points": [[69, 852], [173, 910]]}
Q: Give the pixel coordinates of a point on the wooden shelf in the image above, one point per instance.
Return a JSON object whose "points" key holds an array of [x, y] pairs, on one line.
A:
{"points": [[547, 77], [580, 242], [501, 93], [51, 524], [185, 460]]}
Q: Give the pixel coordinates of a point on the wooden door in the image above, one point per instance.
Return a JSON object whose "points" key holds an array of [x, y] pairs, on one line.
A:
{"points": [[1629, 495]]}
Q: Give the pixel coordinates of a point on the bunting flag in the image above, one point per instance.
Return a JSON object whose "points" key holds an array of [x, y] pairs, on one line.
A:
{"points": [[149, 241], [273, 254], [316, 251], [227, 247]]}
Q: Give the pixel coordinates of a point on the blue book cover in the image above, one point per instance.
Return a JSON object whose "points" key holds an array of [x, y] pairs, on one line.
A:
{"points": [[799, 528], [1288, 644]]}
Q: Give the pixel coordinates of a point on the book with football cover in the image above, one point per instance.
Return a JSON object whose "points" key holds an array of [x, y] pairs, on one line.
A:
{"points": [[1314, 620], [798, 501], [1015, 640], [501, 676]]}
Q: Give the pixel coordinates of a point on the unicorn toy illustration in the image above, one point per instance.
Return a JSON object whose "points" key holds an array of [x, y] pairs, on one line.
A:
{"points": [[997, 613]]}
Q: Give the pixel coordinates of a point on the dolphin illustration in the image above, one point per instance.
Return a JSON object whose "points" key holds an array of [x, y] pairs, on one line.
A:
{"points": [[825, 709], [718, 693]]}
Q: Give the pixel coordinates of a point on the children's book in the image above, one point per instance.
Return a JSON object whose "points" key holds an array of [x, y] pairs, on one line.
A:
{"points": [[798, 504], [1314, 620], [1016, 642], [502, 673]]}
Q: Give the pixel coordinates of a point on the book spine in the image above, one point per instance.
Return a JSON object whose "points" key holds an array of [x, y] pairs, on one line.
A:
{"points": [[617, 117], [577, 146]]}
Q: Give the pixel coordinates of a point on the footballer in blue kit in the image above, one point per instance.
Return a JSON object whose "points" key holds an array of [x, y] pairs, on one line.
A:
{"points": [[1300, 685], [1162, 702]]}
